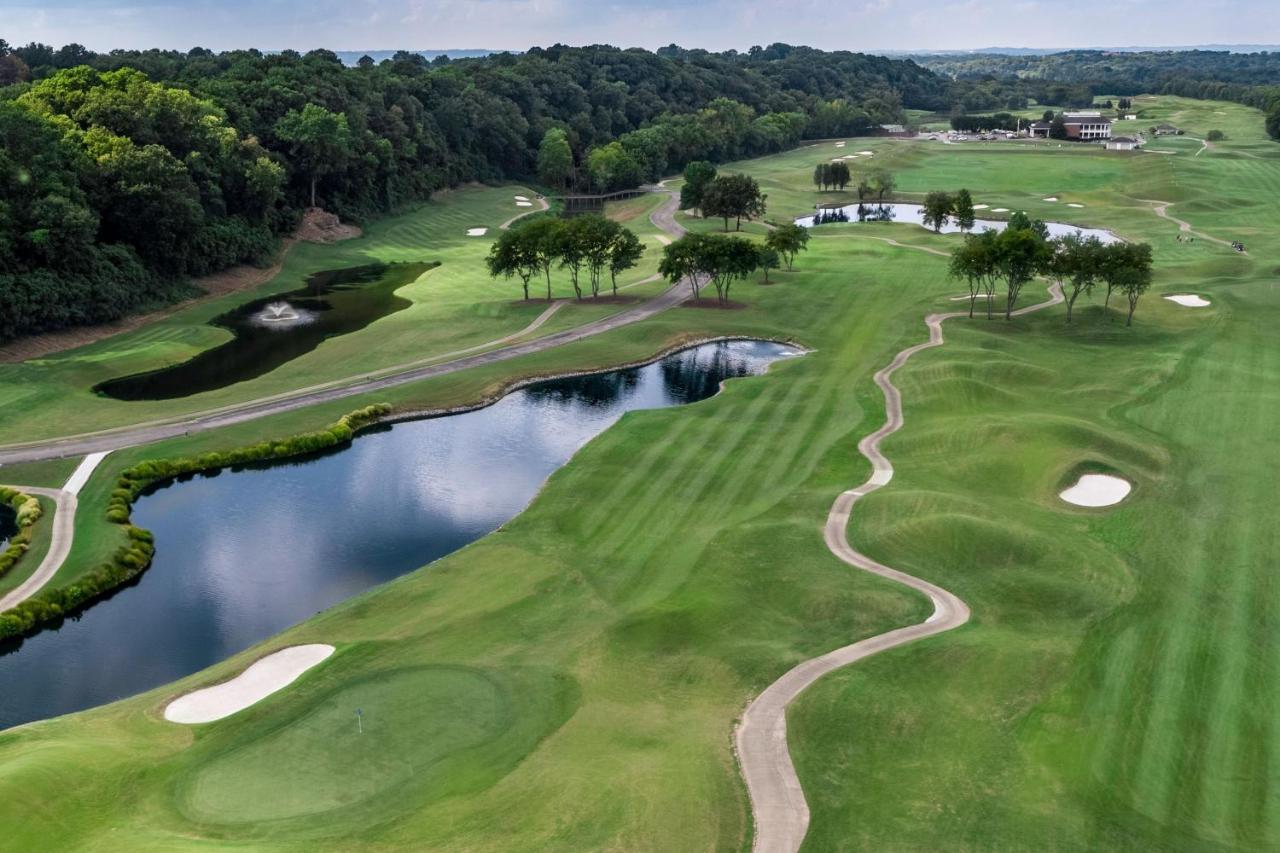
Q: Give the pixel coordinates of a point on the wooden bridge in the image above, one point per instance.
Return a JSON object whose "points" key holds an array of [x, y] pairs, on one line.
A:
{"points": [[579, 204]]}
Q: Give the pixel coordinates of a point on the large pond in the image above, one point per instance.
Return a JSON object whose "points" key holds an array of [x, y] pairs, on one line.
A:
{"points": [[914, 214], [244, 554], [276, 329]]}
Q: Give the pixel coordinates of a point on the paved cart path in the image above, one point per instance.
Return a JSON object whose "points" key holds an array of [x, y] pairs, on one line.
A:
{"points": [[777, 800]]}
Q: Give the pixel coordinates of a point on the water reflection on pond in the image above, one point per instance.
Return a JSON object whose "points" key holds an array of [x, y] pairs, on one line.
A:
{"points": [[244, 554], [914, 214], [277, 329]]}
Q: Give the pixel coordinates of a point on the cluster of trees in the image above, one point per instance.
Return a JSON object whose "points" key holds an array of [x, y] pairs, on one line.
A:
{"points": [[941, 207], [833, 174], [735, 197], [721, 259], [1076, 264], [589, 244]]}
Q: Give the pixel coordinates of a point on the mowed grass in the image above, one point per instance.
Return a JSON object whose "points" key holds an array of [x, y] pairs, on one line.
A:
{"points": [[1112, 692], [455, 306]]}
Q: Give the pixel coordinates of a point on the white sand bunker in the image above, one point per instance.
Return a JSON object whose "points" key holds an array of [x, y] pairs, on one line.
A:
{"points": [[264, 677], [966, 296], [980, 207], [1096, 490], [1073, 204], [522, 198], [1189, 300], [1001, 210], [476, 232], [839, 144], [1050, 198], [867, 153], [524, 204]]}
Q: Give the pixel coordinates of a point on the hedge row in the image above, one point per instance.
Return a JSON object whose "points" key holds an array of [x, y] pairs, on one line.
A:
{"points": [[28, 511], [131, 559]]}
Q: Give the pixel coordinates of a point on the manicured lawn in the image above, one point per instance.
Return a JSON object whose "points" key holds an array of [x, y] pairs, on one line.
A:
{"points": [[1113, 691]]}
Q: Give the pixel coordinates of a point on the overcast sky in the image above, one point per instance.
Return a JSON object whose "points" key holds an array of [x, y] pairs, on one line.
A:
{"points": [[866, 25]]}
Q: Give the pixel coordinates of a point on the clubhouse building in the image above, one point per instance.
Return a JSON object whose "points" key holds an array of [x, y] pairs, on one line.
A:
{"points": [[1084, 127]]}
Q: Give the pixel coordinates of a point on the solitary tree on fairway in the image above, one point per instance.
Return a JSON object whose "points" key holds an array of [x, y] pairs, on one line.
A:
{"points": [[936, 209], [319, 140], [768, 260], [962, 210], [788, 240]]}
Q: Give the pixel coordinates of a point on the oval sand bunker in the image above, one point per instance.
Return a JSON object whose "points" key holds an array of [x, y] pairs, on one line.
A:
{"points": [[1189, 300], [263, 677], [1096, 490]]}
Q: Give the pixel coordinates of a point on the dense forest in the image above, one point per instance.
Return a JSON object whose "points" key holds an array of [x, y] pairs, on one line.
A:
{"points": [[122, 174]]}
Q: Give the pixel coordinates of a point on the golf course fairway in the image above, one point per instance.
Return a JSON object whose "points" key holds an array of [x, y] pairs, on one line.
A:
{"points": [[573, 680]]}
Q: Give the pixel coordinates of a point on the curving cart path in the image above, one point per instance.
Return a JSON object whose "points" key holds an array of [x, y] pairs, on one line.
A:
{"points": [[777, 800], [64, 527], [1161, 209]]}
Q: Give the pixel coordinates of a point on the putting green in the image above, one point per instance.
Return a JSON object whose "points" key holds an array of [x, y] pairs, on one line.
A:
{"points": [[415, 728]]}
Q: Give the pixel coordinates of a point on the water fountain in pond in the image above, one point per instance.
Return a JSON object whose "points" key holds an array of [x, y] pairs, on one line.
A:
{"points": [[282, 314]]}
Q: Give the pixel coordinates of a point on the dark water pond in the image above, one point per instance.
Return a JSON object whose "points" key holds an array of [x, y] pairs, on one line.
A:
{"points": [[242, 555], [8, 524], [334, 302], [914, 213]]}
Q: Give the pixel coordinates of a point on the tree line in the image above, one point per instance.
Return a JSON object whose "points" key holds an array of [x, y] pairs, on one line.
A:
{"points": [[588, 244], [1076, 264], [836, 175], [721, 259]]}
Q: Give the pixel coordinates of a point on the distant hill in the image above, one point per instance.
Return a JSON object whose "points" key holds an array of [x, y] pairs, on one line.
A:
{"points": [[351, 57], [1047, 51]]}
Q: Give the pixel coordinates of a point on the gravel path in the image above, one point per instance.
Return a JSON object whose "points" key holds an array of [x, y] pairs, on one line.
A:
{"points": [[777, 800]]}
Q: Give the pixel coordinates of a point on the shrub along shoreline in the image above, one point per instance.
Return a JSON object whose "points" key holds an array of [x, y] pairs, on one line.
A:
{"points": [[134, 557], [28, 511]]}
